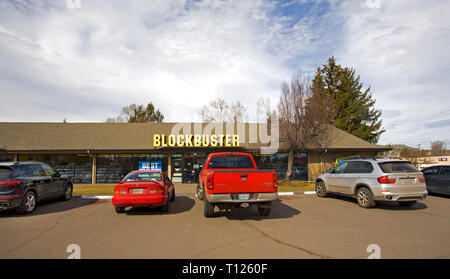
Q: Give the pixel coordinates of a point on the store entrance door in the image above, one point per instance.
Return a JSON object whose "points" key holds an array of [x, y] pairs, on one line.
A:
{"points": [[187, 167]]}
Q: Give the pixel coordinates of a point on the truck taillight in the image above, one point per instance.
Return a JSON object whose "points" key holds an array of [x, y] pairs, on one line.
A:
{"points": [[386, 180], [275, 181], [210, 181]]}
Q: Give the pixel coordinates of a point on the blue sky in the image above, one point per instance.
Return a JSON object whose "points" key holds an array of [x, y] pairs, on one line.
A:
{"points": [[84, 64]]}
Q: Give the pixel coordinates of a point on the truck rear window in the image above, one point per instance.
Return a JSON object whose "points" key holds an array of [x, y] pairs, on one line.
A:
{"points": [[391, 167], [231, 162]]}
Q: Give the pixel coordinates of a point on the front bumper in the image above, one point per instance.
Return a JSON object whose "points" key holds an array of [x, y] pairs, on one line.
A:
{"points": [[139, 200], [233, 198]]}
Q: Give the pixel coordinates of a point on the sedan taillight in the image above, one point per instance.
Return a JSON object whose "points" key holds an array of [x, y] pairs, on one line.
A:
{"points": [[386, 180]]}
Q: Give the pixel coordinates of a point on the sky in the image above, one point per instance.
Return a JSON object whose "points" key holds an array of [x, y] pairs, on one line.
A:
{"points": [[83, 60]]}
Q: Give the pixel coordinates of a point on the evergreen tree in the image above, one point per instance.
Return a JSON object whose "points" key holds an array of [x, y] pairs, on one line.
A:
{"points": [[147, 114], [353, 107]]}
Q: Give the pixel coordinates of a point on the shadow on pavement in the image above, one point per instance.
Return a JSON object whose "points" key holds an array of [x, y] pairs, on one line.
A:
{"points": [[382, 205], [439, 195], [51, 206], [279, 211], [179, 205]]}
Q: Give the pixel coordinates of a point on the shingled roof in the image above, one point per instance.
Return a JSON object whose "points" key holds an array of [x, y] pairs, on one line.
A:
{"points": [[109, 137]]}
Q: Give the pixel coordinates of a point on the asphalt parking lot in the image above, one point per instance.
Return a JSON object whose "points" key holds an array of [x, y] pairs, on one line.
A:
{"points": [[302, 226]]}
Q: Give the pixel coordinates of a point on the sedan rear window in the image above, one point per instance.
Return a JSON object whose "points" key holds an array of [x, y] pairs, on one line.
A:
{"points": [[391, 167], [143, 176]]}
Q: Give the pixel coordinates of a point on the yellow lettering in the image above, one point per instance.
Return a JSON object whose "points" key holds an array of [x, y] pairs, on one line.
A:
{"points": [[227, 140], [180, 140], [213, 140], [197, 140], [188, 140], [171, 140], [156, 140], [235, 140], [205, 140]]}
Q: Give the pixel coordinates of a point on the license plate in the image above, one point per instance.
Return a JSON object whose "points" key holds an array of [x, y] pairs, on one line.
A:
{"points": [[244, 196], [408, 180], [138, 191]]}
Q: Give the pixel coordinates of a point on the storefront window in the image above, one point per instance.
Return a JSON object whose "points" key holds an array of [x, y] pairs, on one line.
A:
{"points": [[279, 163], [78, 167], [111, 168], [6, 158]]}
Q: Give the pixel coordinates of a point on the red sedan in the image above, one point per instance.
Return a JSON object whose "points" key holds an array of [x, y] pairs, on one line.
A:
{"points": [[149, 188]]}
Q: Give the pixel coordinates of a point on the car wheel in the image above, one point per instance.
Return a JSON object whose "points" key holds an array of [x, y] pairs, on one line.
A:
{"points": [[407, 203], [365, 198], [208, 209], [68, 190], [199, 193], [263, 211], [321, 190], [120, 209], [28, 203], [173, 195]]}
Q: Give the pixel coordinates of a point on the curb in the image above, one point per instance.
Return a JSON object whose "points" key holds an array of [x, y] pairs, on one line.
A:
{"points": [[108, 197]]}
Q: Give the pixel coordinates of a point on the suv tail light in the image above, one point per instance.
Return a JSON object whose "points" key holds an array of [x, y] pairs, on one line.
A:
{"points": [[275, 181], [9, 183], [210, 181], [422, 179], [386, 180]]}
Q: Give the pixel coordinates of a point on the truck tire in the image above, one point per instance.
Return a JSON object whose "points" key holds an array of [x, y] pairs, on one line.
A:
{"points": [[199, 193], [364, 198], [263, 211], [120, 209], [208, 209]]}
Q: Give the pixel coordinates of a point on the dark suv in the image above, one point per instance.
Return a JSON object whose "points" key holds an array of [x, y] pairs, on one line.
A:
{"points": [[23, 184]]}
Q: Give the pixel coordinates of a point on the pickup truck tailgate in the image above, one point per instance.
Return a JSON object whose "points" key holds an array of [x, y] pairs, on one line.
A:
{"points": [[235, 181]]}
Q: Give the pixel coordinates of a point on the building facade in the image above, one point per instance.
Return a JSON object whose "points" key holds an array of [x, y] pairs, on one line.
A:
{"points": [[102, 153]]}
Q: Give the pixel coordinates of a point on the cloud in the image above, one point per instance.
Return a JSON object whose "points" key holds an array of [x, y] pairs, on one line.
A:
{"points": [[401, 50], [438, 124], [86, 64]]}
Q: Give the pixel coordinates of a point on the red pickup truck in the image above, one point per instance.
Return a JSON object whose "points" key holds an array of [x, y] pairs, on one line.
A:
{"points": [[232, 180]]}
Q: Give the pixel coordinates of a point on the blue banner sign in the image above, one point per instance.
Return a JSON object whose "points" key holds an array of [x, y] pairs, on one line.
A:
{"points": [[150, 165]]}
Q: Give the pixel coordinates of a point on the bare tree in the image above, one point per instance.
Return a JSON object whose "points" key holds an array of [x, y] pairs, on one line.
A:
{"points": [[237, 112], [304, 117], [215, 111], [438, 148], [263, 109]]}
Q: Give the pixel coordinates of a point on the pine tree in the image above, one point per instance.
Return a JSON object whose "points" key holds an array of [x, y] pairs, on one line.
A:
{"points": [[353, 108]]}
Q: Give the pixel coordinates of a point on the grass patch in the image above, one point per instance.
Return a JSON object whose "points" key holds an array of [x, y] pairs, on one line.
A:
{"points": [[79, 190], [296, 186]]}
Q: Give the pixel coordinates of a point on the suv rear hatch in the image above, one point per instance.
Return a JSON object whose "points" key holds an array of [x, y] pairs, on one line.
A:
{"points": [[403, 175]]}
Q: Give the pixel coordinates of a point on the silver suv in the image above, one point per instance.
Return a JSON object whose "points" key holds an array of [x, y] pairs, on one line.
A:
{"points": [[371, 180]]}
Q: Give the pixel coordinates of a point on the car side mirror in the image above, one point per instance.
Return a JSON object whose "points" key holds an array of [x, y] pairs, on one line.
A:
{"points": [[57, 174]]}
